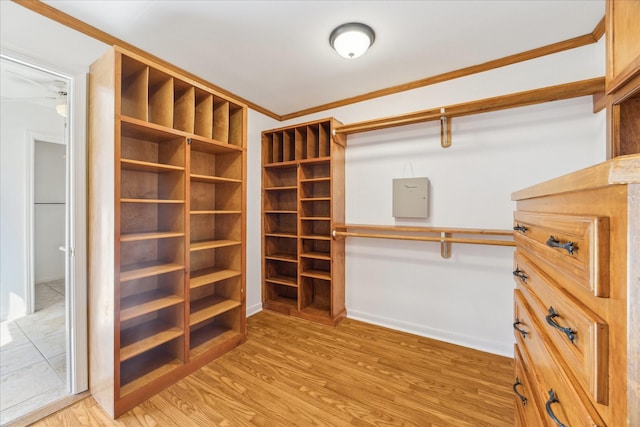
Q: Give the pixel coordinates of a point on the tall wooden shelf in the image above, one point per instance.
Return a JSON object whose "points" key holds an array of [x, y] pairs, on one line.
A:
{"points": [[302, 197], [623, 77], [167, 226]]}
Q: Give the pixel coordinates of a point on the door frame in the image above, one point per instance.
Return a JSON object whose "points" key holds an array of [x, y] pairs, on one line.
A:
{"points": [[76, 319], [30, 283]]}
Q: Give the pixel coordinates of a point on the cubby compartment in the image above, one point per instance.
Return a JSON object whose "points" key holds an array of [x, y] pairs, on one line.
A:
{"points": [[281, 272], [324, 140], [220, 119], [141, 370], [281, 201], [209, 301], [145, 258], [214, 331], [143, 185], [301, 143], [281, 224], [280, 177], [316, 228], [316, 208], [139, 221], [312, 142], [203, 125], [281, 249], [236, 125], [315, 296], [133, 89], [215, 231], [316, 188], [314, 248], [313, 170], [160, 98], [316, 268], [281, 294], [212, 197], [150, 149], [213, 163], [150, 329], [184, 100]]}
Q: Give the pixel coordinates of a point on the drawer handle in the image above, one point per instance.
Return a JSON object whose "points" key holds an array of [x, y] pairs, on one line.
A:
{"points": [[570, 333], [521, 228], [515, 326], [555, 243], [519, 273], [522, 398], [553, 399]]}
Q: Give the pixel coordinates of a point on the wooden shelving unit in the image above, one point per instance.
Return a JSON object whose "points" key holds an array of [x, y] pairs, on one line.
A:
{"points": [[303, 195], [167, 228]]}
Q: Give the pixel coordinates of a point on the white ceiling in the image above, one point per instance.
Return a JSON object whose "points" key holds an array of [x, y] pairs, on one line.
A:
{"points": [[276, 53]]}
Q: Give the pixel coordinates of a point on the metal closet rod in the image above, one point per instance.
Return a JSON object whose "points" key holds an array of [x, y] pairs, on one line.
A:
{"points": [[518, 99]]}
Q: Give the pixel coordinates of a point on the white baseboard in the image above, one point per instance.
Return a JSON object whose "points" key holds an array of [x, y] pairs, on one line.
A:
{"points": [[256, 308], [499, 348]]}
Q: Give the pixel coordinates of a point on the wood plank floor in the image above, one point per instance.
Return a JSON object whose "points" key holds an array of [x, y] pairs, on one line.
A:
{"points": [[291, 372]]}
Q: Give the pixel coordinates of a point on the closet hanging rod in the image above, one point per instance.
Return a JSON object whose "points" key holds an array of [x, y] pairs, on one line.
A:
{"points": [[417, 229], [445, 237], [425, 238], [518, 99]]}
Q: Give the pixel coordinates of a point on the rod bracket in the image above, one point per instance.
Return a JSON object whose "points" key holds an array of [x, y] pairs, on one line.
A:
{"points": [[445, 129], [445, 245]]}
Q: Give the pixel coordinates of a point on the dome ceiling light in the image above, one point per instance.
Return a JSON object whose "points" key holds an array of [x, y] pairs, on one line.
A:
{"points": [[352, 40]]}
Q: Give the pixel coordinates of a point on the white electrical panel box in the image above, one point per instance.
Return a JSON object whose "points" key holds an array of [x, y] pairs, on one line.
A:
{"points": [[411, 198]]}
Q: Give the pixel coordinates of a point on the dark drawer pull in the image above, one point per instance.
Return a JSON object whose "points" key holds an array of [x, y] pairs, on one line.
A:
{"points": [[555, 243], [570, 333], [515, 326], [522, 398], [553, 399], [519, 273], [519, 227]]}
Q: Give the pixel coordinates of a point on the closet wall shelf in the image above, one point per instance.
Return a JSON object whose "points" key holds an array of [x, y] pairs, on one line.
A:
{"points": [[445, 235], [446, 113]]}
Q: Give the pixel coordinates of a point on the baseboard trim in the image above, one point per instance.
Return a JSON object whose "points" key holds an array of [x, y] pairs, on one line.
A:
{"points": [[256, 308], [499, 348]]}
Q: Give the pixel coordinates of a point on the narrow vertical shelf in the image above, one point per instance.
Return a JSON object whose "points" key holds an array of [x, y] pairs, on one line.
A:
{"points": [[302, 182]]}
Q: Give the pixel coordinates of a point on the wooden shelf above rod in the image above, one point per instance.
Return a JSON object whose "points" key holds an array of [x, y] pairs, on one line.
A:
{"points": [[446, 113], [445, 237]]}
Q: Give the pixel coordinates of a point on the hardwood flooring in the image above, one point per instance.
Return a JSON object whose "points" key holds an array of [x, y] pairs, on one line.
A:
{"points": [[291, 372]]}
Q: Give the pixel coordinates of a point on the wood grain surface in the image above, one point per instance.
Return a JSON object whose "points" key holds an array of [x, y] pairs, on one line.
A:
{"points": [[291, 372]]}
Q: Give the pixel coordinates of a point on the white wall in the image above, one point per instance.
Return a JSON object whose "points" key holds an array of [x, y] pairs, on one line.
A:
{"points": [[466, 299], [49, 210], [17, 120], [257, 122]]}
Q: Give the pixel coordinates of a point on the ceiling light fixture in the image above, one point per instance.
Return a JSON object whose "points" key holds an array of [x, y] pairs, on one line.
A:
{"points": [[352, 40]]}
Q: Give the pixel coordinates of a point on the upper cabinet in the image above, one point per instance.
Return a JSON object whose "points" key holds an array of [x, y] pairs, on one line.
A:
{"points": [[623, 76]]}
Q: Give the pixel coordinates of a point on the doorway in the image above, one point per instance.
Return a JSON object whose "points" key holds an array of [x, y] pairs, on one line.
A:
{"points": [[43, 351]]}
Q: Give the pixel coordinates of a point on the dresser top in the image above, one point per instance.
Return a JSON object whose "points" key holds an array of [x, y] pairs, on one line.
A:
{"points": [[619, 171]]}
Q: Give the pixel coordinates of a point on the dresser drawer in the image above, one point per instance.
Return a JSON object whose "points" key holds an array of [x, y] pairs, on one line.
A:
{"points": [[575, 246], [527, 408], [550, 386], [580, 336]]}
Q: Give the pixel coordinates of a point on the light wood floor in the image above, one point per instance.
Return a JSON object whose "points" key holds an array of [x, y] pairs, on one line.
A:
{"points": [[295, 373]]}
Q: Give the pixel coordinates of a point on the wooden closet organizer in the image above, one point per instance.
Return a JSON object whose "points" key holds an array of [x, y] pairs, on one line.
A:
{"points": [[303, 195], [167, 173]]}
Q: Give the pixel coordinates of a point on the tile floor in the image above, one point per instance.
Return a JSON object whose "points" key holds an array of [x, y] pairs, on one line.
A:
{"points": [[32, 355]]}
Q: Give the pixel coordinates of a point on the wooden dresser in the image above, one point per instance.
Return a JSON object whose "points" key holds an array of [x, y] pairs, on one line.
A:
{"points": [[577, 299]]}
